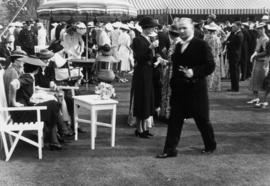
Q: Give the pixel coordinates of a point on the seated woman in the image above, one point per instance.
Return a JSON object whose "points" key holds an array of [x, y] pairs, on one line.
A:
{"points": [[20, 91], [104, 64]]}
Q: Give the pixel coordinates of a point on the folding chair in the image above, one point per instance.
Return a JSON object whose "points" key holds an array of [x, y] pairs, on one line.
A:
{"points": [[15, 130]]}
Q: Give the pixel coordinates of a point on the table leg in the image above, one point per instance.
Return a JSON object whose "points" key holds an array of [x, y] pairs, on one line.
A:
{"points": [[113, 122], [75, 121], [93, 128]]}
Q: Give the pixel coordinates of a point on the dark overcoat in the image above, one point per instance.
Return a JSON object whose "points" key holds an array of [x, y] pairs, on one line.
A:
{"points": [[190, 95], [142, 84]]}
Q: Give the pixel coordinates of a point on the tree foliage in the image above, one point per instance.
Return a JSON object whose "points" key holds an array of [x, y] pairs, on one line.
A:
{"points": [[27, 12]]}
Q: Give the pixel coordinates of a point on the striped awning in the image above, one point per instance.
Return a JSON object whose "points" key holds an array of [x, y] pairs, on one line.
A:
{"points": [[81, 8], [191, 7]]}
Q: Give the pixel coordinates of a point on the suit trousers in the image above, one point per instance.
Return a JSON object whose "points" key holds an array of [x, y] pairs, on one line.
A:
{"points": [[175, 128], [234, 74]]}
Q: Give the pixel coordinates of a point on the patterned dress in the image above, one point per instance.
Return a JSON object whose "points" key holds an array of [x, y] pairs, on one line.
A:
{"points": [[214, 80], [166, 90]]}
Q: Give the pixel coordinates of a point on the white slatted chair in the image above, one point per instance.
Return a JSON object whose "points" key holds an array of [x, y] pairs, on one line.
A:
{"points": [[14, 130]]}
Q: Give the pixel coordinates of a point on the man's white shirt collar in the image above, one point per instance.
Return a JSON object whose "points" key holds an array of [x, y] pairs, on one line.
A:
{"points": [[185, 43]]}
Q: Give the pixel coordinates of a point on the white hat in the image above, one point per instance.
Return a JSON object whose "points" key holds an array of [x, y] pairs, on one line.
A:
{"points": [[90, 24], [54, 24], [212, 26], [80, 25], [117, 24], [109, 27], [245, 24], [265, 18], [124, 26], [138, 27], [260, 25]]}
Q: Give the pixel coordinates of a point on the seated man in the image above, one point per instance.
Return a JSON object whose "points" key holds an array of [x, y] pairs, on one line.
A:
{"points": [[20, 89]]}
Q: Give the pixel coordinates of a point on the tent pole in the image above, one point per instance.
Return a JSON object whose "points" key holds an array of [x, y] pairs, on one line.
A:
{"points": [[14, 17], [87, 35]]}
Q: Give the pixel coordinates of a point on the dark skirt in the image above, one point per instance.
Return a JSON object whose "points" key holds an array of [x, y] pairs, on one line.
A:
{"points": [[143, 88]]}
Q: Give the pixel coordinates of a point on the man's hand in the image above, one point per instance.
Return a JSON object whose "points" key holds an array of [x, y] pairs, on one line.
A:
{"points": [[187, 71]]}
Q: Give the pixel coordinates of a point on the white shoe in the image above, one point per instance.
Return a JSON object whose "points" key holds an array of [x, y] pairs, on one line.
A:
{"points": [[254, 101], [261, 105]]}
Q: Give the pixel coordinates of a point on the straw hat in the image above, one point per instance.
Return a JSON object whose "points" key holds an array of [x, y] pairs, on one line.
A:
{"points": [[45, 54], [124, 26], [117, 24], [138, 27], [109, 27], [212, 26], [90, 24], [32, 60]]}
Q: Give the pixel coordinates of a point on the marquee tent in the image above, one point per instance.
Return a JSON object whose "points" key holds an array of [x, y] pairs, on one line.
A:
{"points": [[191, 7]]}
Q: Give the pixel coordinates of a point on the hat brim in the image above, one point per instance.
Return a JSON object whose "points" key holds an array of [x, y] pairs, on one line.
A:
{"points": [[32, 61], [210, 28], [45, 56]]}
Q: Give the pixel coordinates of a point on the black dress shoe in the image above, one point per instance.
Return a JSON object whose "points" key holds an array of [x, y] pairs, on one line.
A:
{"points": [[232, 90], [166, 155], [55, 146], [148, 133], [80, 130]]}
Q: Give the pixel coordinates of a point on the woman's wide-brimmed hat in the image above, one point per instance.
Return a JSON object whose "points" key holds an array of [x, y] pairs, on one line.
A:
{"points": [[45, 54], [32, 60], [212, 26], [17, 54], [260, 25], [148, 22], [105, 50]]}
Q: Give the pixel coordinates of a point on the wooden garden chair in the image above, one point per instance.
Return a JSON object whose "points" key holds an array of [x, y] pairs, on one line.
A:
{"points": [[11, 132]]}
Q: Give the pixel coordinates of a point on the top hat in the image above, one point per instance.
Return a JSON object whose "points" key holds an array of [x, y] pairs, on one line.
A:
{"points": [[148, 22]]}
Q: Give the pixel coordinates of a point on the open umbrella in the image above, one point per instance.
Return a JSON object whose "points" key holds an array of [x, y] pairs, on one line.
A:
{"points": [[84, 10]]}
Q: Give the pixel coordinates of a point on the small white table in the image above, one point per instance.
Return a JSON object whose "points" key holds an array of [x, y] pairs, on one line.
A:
{"points": [[95, 104]]}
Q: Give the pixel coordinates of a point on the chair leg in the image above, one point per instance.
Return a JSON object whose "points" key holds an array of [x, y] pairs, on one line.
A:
{"points": [[40, 143], [14, 144], [4, 139]]}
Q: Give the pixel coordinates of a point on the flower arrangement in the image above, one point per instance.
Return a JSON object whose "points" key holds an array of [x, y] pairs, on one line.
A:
{"points": [[105, 90]]}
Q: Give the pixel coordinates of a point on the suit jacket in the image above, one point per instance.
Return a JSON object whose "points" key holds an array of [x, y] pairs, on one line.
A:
{"points": [[234, 46], [190, 95]]}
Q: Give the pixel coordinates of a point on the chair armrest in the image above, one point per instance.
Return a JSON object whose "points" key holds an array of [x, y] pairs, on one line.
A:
{"points": [[23, 108], [68, 87]]}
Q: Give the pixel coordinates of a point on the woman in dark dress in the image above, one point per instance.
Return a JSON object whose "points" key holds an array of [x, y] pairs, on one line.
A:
{"points": [[142, 85]]}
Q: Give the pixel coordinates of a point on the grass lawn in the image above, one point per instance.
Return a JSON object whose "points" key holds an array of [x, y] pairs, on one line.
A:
{"points": [[242, 157]]}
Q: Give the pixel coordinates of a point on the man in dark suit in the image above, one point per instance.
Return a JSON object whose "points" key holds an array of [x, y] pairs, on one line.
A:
{"points": [[234, 53], [192, 63]]}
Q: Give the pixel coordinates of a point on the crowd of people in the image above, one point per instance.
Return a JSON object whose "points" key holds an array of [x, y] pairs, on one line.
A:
{"points": [[173, 66]]}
